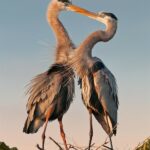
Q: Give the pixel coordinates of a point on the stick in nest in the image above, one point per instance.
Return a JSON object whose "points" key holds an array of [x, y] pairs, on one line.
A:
{"points": [[39, 147], [70, 146], [106, 142], [60, 148]]}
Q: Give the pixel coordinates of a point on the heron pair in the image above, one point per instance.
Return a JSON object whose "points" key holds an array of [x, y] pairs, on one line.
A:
{"points": [[52, 92]]}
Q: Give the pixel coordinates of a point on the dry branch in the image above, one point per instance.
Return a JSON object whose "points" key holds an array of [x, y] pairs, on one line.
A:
{"points": [[73, 147], [93, 147], [60, 148], [39, 147], [70, 146]]}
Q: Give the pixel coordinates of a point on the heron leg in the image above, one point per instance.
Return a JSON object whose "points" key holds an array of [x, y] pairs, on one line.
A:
{"points": [[111, 143], [48, 114], [110, 132], [91, 129], [43, 134], [62, 132]]}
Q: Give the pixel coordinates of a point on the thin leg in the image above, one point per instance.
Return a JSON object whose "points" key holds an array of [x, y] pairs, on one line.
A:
{"points": [[45, 127], [111, 143], [62, 132], [43, 134], [91, 130], [110, 132]]}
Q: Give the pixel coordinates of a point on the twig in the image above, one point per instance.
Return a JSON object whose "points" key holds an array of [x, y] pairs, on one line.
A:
{"points": [[90, 146], [106, 142], [39, 147], [75, 147], [72, 147], [56, 143], [107, 147]]}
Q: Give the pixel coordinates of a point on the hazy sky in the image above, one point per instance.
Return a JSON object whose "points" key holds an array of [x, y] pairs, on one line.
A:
{"points": [[27, 48]]}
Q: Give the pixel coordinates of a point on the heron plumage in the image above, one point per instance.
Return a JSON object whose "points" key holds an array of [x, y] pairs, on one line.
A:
{"points": [[51, 92], [52, 88], [99, 93], [98, 85]]}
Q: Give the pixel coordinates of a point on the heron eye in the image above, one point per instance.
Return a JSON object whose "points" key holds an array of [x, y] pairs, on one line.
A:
{"points": [[101, 15]]}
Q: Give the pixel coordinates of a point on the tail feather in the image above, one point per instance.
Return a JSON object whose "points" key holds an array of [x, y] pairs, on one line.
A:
{"points": [[100, 118], [32, 126], [110, 127]]}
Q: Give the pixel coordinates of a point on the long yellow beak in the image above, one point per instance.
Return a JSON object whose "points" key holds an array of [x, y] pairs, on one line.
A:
{"points": [[81, 11]]}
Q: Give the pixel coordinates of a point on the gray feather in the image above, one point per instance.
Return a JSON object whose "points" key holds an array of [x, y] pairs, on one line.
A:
{"points": [[52, 88], [99, 93]]}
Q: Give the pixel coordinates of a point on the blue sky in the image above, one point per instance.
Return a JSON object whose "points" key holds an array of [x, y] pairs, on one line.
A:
{"points": [[27, 47]]}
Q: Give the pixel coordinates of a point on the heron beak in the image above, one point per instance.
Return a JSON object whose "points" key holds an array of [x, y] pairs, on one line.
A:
{"points": [[82, 11]]}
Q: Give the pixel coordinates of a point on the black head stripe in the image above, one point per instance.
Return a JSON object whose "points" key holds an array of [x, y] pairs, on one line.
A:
{"points": [[64, 1], [111, 15]]}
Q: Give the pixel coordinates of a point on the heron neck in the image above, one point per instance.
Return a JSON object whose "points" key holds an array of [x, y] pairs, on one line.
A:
{"points": [[62, 38], [101, 35]]}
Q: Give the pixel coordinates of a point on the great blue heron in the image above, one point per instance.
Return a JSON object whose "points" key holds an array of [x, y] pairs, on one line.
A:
{"points": [[99, 89], [51, 92]]}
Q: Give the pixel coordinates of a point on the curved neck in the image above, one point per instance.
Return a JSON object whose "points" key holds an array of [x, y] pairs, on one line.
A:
{"points": [[101, 35], [62, 37]]}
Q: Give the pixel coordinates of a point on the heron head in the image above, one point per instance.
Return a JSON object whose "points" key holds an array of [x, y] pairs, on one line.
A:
{"points": [[107, 17], [65, 2], [60, 4]]}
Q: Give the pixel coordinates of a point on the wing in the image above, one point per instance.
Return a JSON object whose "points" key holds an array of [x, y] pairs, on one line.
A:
{"points": [[43, 92], [46, 86], [43, 88], [106, 89]]}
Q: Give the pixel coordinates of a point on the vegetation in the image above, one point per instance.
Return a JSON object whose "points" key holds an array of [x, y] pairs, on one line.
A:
{"points": [[3, 146], [144, 146]]}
